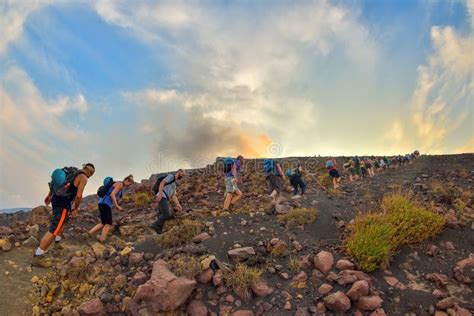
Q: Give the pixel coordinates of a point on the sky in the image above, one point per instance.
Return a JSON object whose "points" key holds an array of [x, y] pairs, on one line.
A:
{"points": [[138, 86]]}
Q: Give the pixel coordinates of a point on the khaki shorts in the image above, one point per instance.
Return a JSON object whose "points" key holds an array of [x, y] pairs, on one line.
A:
{"points": [[230, 185]]}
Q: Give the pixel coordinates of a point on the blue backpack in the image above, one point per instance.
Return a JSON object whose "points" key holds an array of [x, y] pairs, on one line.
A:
{"points": [[329, 164], [228, 163], [269, 166], [105, 188]]}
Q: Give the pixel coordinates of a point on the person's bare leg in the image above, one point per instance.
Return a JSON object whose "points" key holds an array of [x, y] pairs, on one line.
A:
{"points": [[95, 230], [273, 196], [227, 201], [46, 241], [236, 197], [105, 232]]}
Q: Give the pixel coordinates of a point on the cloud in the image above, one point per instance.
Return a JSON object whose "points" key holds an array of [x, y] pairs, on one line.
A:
{"points": [[14, 13], [35, 134], [236, 78], [441, 103]]}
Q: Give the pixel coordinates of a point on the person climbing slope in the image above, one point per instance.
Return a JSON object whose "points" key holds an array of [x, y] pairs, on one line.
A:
{"points": [[331, 167], [274, 179], [109, 194], [65, 195], [165, 191], [232, 177]]}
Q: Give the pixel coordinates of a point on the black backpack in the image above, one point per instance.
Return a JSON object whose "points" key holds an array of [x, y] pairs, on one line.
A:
{"points": [[156, 186], [104, 189]]}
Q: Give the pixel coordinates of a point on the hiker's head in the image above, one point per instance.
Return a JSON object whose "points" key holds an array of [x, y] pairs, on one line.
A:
{"points": [[240, 158], [88, 169], [128, 181], [180, 174]]}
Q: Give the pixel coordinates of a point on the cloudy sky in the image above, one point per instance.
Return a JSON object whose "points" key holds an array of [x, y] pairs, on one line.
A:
{"points": [[139, 86]]}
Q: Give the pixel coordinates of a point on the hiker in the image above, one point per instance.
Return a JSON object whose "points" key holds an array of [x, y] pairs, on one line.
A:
{"points": [[232, 178], [348, 167], [274, 179], [363, 169], [109, 194], [65, 195], [296, 179], [165, 191], [357, 169], [331, 167], [369, 166]]}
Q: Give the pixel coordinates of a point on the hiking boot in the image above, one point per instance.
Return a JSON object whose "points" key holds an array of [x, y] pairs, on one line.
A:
{"points": [[40, 262], [58, 246]]}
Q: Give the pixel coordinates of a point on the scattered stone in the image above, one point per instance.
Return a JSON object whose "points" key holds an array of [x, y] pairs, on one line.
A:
{"points": [[197, 308], [325, 289], [93, 307], [163, 292], [201, 237], [369, 303], [391, 281], [218, 278], [41, 215], [338, 302], [5, 231], [344, 265], [34, 230], [31, 242], [243, 313], [432, 251], [5, 245], [139, 278], [206, 276], [446, 303], [358, 290], [287, 306], [449, 246], [261, 289], [323, 261], [241, 254], [98, 249], [297, 245], [440, 280], [299, 281]]}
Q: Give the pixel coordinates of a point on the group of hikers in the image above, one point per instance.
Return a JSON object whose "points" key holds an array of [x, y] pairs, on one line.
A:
{"points": [[67, 188]]}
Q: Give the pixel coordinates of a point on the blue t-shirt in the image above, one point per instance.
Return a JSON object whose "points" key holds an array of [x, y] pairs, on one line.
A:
{"points": [[107, 200], [237, 164]]}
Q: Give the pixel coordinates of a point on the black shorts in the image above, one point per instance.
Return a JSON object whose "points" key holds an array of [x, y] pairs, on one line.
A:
{"points": [[105, 214], [334, 173], [164, 208], [60, 217], [274, 183]]}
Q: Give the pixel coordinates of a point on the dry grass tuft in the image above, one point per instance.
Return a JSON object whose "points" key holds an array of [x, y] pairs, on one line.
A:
{"points": [[373, 238], [299, 216], [185, 266], [141, 199], [295, 264], [243, 276], [181, 233], [325, 181]]}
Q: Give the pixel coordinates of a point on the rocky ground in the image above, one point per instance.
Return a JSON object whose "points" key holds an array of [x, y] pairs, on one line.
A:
{"points": [[209, 261]]}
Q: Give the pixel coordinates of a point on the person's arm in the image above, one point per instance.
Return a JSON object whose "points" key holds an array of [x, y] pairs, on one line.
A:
{"points": [[117, 187], [280, 171], [82, 181], [47, 199], [175, 200], [234, 172]]}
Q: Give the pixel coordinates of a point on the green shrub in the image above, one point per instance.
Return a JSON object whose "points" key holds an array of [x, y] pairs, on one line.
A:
{"points": [[373, 238], [325, 181], [299, 216]]}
